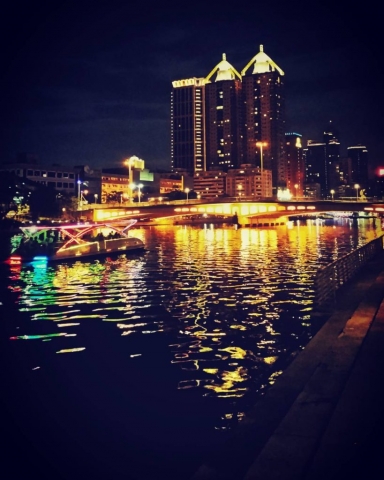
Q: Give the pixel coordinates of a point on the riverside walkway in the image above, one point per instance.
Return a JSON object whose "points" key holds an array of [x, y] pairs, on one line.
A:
{"points": [[324, 416]]}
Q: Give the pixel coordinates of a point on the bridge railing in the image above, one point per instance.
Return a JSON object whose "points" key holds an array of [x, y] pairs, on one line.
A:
{"points": [[330, 278]]}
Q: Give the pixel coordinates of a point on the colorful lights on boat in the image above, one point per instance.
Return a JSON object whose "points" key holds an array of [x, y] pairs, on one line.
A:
{"points": [[36, 337]]}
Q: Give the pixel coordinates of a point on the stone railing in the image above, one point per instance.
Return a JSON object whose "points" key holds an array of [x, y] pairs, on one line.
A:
{"points": [[331, 277]]}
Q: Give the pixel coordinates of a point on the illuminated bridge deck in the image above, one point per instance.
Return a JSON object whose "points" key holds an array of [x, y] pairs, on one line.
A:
{"points": [[248, 212]]}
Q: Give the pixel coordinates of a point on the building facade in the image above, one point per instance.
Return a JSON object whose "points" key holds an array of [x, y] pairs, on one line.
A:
{"points": [[224, 121], [295, 166], [209, 184], [188, 125], [222, 110], [359, 164], [249, 182], [62, 179], [264, 116]]}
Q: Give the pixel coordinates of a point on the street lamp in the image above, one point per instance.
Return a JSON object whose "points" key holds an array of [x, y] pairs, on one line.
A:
{"points": [[78, 194], [296, 187], [239, 187], [140, 186], [96, 196], [261, 145], [187, 192], [357, 186], [332, 193]]}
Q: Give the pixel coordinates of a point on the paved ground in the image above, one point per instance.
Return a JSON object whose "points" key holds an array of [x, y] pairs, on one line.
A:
{"points": [[324, 417]]}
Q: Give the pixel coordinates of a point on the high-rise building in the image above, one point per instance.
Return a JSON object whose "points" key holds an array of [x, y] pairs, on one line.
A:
{"points": [[359, 164], [225, 121], [316, 165], [295, 167], [332, 157], [222, 120], [264, 116], [188, 125]]}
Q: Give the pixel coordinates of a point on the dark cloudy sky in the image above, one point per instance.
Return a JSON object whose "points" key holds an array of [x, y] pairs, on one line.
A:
{"points": [[90, 82]]}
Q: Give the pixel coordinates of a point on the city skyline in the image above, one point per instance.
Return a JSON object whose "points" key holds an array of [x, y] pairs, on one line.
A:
{"points": [[93, 86]]}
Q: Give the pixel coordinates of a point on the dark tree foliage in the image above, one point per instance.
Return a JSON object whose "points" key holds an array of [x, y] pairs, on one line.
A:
{"points": [[43, 202], [10, 184]]}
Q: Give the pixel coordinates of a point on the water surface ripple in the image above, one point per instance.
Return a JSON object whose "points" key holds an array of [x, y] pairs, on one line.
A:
{"points": [[185, 336]]}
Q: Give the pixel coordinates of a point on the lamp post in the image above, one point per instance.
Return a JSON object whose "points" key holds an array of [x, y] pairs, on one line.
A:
{"points": [[78, 194], [296, 187], [239, 188], [83, 199], [96, 196], [332, 193], [357, 186], [140, 186], [187, 192], [261, 145]]}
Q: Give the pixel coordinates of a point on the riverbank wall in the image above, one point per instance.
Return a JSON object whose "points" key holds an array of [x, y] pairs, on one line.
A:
{"points": [[324, 416]]}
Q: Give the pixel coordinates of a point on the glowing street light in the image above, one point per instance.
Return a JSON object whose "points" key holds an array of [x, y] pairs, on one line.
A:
{"points": [[239, 188], [140, 186], [261, 145], [96, 196], [187, 190], [296, 187], [357, 186], [79, 194], [333, 194]]}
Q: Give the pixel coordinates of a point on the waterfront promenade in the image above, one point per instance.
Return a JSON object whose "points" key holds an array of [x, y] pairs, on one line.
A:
{"points": [[324, 416]]}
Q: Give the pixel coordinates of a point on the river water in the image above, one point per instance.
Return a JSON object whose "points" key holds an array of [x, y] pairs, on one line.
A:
{"points": [[139, 366]]}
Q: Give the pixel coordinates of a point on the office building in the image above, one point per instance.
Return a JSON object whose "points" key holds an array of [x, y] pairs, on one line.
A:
{"points": [[226, 119], [264, 116], [332, 157], [249, 182], [222, 120], [316, 165], [359, 164], [295, 167], [188, 125], [209, 184]]}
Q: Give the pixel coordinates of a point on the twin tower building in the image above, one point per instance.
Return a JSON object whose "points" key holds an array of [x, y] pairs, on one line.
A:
{"points": [[228, 119]]}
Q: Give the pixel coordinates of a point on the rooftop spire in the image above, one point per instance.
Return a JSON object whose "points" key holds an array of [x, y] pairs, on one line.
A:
{"points": [[225, 71], [262, 64]]}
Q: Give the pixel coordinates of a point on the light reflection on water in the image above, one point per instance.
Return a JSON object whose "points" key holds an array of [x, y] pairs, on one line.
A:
{"points": [[234, 304]]}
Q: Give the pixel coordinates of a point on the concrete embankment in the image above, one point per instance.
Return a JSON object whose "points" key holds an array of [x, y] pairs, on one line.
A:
{"points": [[323, 418]]}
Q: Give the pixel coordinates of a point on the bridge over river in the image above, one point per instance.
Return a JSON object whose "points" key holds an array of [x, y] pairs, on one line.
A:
{"points": [[249, 213]]}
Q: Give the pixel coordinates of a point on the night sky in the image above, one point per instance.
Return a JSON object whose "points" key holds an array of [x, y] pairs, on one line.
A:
{"points": [[89, 83]]}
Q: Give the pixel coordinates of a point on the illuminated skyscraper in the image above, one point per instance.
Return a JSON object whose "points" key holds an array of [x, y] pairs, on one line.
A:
{"points": [[332, 157], [264, 116], [217, 121], [223, 117], [188, 125], [295, 167], [359, 164]]}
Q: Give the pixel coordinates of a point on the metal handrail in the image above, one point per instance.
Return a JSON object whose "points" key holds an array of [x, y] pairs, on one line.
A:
{"points": [[330, 278]]}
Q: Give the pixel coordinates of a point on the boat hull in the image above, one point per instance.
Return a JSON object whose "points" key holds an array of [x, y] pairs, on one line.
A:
{"points": [[99, 248], [91, 249]]}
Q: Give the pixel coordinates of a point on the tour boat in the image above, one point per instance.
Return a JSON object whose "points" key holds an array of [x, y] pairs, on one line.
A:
{"points": [[67, 242]]}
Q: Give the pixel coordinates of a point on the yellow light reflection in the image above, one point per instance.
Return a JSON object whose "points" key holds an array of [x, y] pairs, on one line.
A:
{"points": [[71, 350]]}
